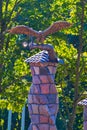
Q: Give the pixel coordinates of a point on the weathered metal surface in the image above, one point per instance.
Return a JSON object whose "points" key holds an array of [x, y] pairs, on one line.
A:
{"points": [[40, 35]]}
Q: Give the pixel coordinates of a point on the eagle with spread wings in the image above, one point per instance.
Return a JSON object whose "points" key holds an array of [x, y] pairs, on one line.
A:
{"points": [[40, 35]]}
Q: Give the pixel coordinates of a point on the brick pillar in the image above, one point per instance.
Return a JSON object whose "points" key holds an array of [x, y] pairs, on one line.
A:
{"points": [[84, 103], [43, 98]]}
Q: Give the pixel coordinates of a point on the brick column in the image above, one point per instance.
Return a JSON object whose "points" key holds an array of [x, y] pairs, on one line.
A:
{"points": [[84, 103], [42, 98]]}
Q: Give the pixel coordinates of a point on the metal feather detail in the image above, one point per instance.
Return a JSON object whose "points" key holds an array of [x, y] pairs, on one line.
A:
{"points": [[40, 35]]}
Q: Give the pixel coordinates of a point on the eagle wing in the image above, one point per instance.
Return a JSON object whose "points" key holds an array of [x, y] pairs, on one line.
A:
{"points": [[56, 26], [21, 29]]}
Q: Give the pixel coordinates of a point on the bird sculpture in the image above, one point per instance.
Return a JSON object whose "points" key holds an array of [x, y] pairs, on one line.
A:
{"points": [[40, 35]]}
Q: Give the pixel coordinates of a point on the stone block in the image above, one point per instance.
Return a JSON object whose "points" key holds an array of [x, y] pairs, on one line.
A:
{"points": [[35, 109], [50, 78], [53, 89], [44, 88], [36, 99], [43, 127], [34, 127], [54, 70], [50, 69], [44, 71], [44, 119], [36, 70], [44, 79], [35, 89], [30, 98], [52, 120], [40, 99], [43, 109], [43, 99], [53, 108], [36, 80], [52, 98], [35, 119], [30, 109], [32, 70]]}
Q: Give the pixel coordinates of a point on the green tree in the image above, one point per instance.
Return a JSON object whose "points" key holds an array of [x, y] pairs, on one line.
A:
{"points": [[73, 74], [12, 66]]}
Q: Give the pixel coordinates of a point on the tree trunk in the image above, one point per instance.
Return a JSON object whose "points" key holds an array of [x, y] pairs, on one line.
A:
{"points": [[76, 85]]}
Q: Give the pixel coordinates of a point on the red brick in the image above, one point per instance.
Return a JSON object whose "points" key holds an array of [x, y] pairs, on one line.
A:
{"points": [[52, 120], [40, 99], [44, 119], [52, 98], [53, 89], [44, 71], [43, 109], [32, 70], [30, 98], [54, 70], [43, 99], [35, 109], [34, 119], [35, 89], [50, 78], [44, 79], [36, 99], [36, 80], [44, 88], [36, 70], [34, 127], [43, 127], [53, 108], [50, 69]]}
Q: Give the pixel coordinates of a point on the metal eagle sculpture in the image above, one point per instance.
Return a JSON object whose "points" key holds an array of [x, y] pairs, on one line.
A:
{"points": [[40, 35]]}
